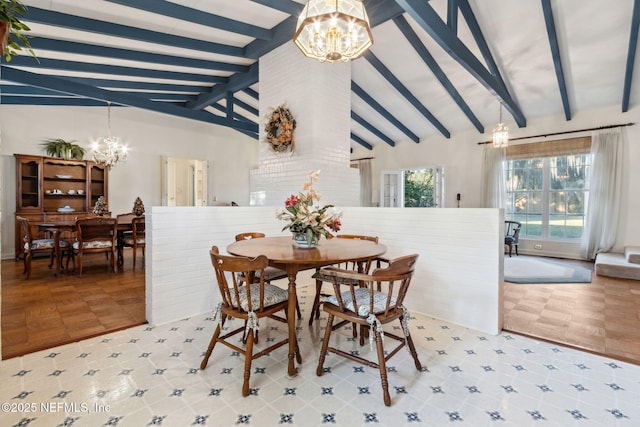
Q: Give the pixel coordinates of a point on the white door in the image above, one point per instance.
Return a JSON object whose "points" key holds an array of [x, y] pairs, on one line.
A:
{"points": [[391, 189], [184, 182]]}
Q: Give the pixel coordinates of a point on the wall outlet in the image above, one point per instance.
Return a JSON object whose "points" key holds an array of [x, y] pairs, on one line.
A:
{"points": [[538, 246]]}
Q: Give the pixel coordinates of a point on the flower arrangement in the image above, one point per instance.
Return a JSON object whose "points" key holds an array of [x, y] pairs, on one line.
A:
{"points": [[307, 219], [279, 128]]}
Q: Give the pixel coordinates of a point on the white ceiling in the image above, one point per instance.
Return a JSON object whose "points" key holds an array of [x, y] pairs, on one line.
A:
{"points": [[593, 38]]}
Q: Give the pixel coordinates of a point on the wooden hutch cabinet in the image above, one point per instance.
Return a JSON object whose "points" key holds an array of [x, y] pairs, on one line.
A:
{"points": [[46, 184]]}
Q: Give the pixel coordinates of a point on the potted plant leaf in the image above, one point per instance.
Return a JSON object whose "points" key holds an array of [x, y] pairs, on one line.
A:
{"points": [[12, 29], [58, 147]]}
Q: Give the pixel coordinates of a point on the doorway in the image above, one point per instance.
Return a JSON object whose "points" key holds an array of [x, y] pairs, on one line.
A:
{"points": [[184, 181]]}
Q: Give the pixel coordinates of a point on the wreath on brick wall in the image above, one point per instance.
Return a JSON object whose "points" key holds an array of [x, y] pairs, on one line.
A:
{"points": [[279, 128]]}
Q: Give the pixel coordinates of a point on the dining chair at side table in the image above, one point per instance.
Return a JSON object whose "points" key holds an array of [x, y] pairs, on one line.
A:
{"points": [[246, 301], [271, 273], [511, 235], [372, 300], [33, 245], [97, 234], [135, 239], [320, 277]]}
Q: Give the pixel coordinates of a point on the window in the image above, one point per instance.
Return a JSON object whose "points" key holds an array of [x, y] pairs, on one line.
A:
{"points": [[548, 195], [409, 188]]}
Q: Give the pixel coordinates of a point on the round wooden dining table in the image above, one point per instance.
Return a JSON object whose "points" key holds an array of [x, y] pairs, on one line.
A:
{"points": [[284, 254]]}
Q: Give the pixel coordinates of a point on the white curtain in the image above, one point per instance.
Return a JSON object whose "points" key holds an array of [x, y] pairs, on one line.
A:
{"points": [[601, 224], [364, 166], [493, 180]]}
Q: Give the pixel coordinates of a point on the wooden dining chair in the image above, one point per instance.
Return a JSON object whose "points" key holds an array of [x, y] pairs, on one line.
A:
{"points": [[320, 277], [249, 301], [371, 300], [136, 238], [93, 235], [271, 273], [511, 235], [34, 245]]}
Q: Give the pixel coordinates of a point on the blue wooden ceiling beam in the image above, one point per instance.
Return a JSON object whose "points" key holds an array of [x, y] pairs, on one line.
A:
{"points": [[37, 91], [132, 55], [249, 108], [64, 20], [381, 11], [51, 101], [252, 93], [481, 42], [428, 59], [149, 86], [365, 124], [188, 14], [430, 22], [287, 6], [236, 82], [66, 86], [393, 80], [631, 55], [281, 34], [382, 111], [555, 53], [240, 117], [452, 15], [57, 64], [361, 141]]}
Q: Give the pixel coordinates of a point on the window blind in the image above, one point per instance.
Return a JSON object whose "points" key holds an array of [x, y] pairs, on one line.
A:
{"points": [[561, 147]]}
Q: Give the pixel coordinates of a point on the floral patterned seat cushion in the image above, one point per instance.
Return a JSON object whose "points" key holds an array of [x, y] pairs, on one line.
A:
{"points": [[272, 295], [128, 239], [363, 301], [44, 244], [320, 275], [95, 244]]}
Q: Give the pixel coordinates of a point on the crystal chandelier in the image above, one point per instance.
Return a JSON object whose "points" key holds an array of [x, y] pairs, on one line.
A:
{"points": [[500, 133], [333, 30], [108, 151]]}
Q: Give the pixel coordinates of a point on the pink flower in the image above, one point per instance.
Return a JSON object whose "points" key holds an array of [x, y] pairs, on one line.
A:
{"points": [[334, 224], [292, 201]]}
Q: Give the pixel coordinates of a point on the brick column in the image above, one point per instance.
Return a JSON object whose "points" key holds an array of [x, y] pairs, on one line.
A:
{"points": [[319, 96]]}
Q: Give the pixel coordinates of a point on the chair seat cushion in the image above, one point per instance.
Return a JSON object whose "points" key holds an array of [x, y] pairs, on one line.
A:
{"points": [[44, 244], [509, 239], [128, 240], [322, 276], [272, 273], [272, 295], [95, 244], [363, 301]]}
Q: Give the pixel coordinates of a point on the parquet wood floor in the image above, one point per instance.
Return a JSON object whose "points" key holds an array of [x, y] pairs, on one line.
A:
{"points": [[46, 311], [601, 317]]}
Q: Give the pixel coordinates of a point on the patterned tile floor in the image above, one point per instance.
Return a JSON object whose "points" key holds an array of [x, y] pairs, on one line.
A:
{"points": [[148, 376]]}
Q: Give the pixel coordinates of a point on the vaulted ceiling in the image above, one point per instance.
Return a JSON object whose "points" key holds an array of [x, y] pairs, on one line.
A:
{"points": [[436, 67]]}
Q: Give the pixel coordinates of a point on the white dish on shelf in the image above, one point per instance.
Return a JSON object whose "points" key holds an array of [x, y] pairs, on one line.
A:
{"points": [[66, 209], [64, 176], [72, 192]]}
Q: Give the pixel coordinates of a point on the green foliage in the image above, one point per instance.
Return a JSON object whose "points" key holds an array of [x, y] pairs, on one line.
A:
{"points": [[58, 147], [419, 189], [11, 11]]}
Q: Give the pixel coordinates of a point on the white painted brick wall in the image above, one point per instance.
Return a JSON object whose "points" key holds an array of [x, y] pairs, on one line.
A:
{"points": [[319, 96], [458, 276]]}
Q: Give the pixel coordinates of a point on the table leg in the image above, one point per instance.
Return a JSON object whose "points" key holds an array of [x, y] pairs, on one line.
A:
{"points": [[291, 319], [56, 245]]}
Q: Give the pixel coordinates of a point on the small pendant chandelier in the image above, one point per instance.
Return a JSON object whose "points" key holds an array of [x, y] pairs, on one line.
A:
{"points": [[108, 151], [333, 30], [500, 133]]}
